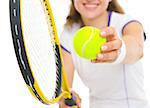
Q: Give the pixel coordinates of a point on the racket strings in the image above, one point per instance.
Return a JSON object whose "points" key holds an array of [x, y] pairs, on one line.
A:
{"points": [[49, 22], [37, 39], [43, 77], [52, 32], [59, 70], [39, 44]]}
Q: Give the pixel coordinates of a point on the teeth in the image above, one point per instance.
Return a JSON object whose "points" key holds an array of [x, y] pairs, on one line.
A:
{"points": [[92, 5]]}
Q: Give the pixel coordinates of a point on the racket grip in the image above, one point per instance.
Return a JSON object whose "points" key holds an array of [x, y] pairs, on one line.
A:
{"points": [[71, 101]]}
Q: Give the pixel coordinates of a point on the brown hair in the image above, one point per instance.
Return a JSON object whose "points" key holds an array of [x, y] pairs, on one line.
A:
{"points": [[74, 16]]}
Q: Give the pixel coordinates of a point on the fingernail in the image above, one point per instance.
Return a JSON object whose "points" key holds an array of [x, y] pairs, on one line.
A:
{"points": [[103, 33], [104, 48], [100, 56]]}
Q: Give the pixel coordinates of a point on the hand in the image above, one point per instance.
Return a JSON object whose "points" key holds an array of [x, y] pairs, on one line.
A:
{"points": [[78, 101], [110, 50]]}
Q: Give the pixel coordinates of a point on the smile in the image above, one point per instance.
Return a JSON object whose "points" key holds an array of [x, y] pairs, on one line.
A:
{"points": [[90, 5]]}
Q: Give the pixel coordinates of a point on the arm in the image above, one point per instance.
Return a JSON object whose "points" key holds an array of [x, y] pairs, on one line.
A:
{"points": [[134, 41], [69, 68]]}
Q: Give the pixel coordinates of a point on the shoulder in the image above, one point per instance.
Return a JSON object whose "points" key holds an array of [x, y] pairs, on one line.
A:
{"points": [[67, 35], [70, 30], [121, 21]]}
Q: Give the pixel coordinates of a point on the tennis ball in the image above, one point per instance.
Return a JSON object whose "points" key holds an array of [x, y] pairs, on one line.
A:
{"points": [[87, 42]]}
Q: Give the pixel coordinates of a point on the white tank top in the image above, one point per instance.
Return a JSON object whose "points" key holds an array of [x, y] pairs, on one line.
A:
{"points": [[111, 86]]}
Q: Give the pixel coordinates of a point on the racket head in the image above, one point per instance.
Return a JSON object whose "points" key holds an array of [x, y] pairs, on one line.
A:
{"points": [[30, 36]]}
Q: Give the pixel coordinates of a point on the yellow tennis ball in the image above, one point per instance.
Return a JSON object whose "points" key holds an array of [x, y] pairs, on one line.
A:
{"points": [[87, 42]]}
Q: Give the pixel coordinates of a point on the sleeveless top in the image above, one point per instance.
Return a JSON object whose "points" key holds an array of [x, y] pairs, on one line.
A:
{"points": [[110, 85]]}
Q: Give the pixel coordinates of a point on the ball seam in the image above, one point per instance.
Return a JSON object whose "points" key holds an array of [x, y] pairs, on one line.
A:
{"points": [[83, 48]]}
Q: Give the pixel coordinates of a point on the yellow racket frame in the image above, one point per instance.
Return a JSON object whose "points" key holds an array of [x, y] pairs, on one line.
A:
{"points": [[66, 92]]}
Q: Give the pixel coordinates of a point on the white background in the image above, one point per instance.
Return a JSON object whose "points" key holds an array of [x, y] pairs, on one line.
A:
{"points": [[13, 91]]}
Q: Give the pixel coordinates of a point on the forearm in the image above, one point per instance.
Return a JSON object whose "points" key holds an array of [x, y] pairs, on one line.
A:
{"points": [[69, 67], [134, 49]]}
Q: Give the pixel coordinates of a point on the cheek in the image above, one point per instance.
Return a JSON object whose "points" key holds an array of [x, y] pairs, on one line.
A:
{"points": [[105, 4], [76, 4]]}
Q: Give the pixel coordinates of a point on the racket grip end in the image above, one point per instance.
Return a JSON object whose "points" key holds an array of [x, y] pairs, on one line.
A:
{"points": [[70, 102]]}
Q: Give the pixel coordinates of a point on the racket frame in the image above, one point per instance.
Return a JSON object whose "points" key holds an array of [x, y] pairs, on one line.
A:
{"points": [[22, 57]]}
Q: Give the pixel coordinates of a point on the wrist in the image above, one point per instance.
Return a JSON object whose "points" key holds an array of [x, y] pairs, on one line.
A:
{"points": [[122, 53]]}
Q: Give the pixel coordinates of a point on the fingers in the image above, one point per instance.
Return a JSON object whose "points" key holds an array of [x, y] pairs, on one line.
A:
{"points": [[106, 57], [112, 45], [109, 50], [109, 33], [63, 105], [75, 97]]}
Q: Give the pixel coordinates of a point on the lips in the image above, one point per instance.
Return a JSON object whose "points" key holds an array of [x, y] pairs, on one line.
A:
{"points": [[90, 5]]}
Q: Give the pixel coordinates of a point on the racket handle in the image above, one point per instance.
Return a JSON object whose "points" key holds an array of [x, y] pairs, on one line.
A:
{"points": [[70, 102]]}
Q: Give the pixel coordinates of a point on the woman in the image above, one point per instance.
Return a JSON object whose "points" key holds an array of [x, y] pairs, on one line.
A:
{"points": [[115, 77]]}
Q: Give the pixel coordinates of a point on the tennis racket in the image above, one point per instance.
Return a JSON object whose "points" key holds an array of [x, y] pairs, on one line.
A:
{"points": [[38, 50]]}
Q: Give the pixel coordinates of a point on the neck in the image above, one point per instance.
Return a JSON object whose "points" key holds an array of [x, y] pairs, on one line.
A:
{"points": [[99, 22]]}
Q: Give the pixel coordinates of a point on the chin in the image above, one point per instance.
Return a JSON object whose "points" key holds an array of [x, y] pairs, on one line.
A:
{"points": [[90, 15]]}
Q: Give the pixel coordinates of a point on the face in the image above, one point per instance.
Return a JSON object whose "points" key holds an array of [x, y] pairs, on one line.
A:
{"points": [[91, 8]]}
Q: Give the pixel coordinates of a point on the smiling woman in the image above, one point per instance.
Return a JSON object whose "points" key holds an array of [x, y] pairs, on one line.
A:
{"points": [[115, 77], [10, 70], [74, 15]]}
